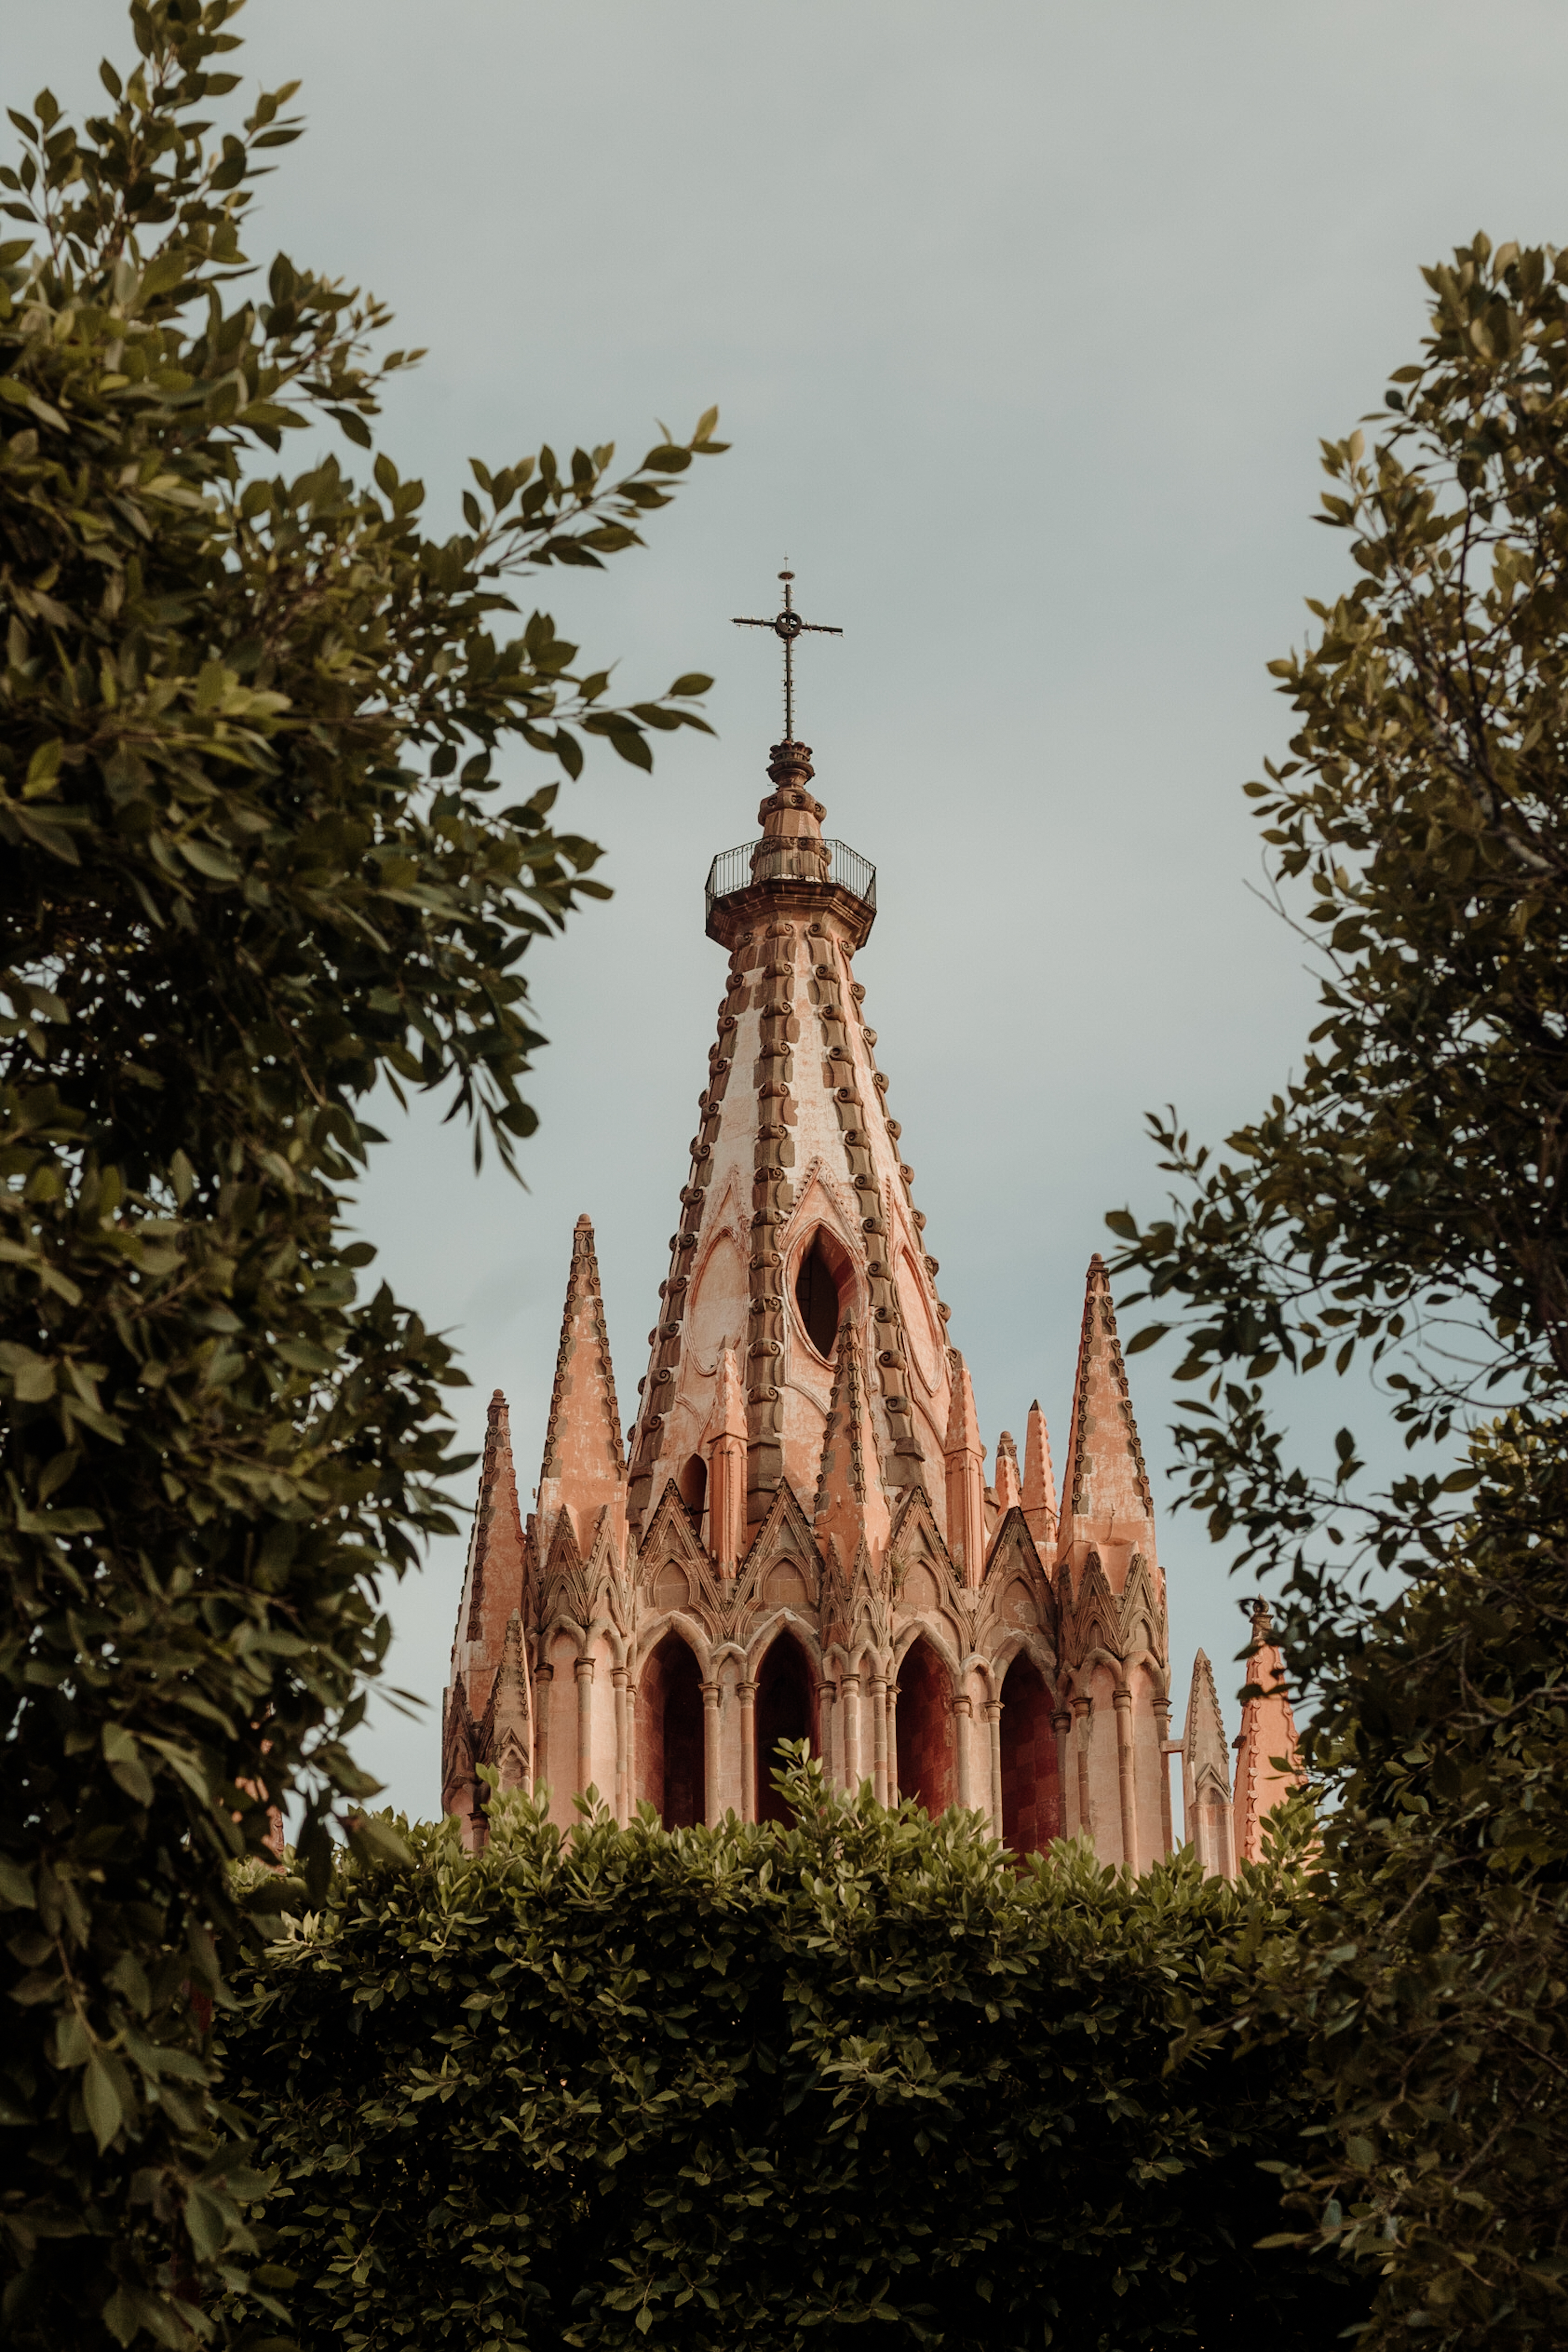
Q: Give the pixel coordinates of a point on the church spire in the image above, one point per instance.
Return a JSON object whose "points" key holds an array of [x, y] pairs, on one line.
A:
{"points": [[1267, 1762], [1106, 1503], [1006, 1485], [584, 1470], [1205, 1779], [799, 1205], [492, 1590], [776, 1553], [492, 1585], [1039, 1484], [964, 1478]]}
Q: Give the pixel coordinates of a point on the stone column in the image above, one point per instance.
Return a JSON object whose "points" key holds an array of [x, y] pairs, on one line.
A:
{"points": [[826, 1695], [631, 1746], [994, 1725], [1061, 1724], [890, 1742], [879, 1737], [1123, 1703], [746, 1693], [851, 1687], [962, 1712], [711, 1753], [583, 1670], [618, 1683], [1083, 1707], [543, 1678], [1163, 1734]]}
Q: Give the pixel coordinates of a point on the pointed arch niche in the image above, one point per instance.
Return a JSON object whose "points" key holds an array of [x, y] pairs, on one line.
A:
{"points": [[717, 1300], [669, 1735], [822, 1286], [925, 1742], [785, 1709], [1031, 1788]]}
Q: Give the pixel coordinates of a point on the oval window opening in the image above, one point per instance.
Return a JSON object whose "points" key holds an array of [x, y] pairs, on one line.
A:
{"points": [[693, 1487], [817, 1296]]}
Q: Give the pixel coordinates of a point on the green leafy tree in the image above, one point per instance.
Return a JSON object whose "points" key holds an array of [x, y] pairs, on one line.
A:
{"points": [[785, 2088], [255, 858], [1402, 1202]]}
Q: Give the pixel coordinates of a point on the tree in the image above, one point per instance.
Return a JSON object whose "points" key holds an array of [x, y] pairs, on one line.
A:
{"points": [[1403, 1199], [768, 2085], [257, 858]]}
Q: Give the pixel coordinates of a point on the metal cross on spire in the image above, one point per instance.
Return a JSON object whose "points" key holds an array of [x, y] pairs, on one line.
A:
{"points": [[789, 626]]}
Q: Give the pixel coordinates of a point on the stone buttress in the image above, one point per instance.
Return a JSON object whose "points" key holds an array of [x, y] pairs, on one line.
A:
{"points": [[799, 1540]]}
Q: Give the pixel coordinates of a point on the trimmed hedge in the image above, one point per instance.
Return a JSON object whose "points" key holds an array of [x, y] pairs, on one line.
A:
{"points": [[632, 2087]]}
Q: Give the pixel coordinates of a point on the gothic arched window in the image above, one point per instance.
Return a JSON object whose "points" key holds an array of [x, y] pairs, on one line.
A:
{"points": [[817, 1295], [669, 1734], [1031, 1794], [926, 1763], [693, 1487], [784, 1710]]}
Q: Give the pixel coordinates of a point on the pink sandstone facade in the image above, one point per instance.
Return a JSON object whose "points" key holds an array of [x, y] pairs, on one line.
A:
{"points": [[799, 1538]]}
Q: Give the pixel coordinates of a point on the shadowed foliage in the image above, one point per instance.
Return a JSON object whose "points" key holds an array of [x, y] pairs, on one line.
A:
{"points": [[859, 2080], [1403, 1200], [256, 858]]}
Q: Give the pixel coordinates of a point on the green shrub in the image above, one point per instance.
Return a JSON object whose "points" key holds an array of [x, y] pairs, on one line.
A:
{"points": [[683, 2088]]}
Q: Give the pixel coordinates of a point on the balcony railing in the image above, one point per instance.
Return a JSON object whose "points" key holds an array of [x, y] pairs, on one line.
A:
{"points": [[731, 869]]}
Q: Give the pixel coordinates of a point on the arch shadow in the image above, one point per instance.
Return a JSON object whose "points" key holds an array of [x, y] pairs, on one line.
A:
{"points": [[669, 1734], [784, 1709], [927, 1758], [1031, 1783]]}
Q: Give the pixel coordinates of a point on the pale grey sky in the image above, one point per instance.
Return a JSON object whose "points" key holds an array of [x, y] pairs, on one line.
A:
{"points": [[1024, 319]]}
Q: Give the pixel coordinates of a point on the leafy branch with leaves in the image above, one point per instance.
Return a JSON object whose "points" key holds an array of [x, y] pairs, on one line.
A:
{"points": [[257, 858], [1402, 1202]]}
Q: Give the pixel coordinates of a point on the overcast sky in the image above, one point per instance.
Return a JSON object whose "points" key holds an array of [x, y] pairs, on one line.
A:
{"points": [[1024, 320]]}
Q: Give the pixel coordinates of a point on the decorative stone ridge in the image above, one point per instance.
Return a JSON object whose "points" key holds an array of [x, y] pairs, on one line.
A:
{"points": [[798, 1539]]}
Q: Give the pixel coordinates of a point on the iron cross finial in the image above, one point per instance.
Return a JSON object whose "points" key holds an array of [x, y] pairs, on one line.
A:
{"points": [[789, 626]]}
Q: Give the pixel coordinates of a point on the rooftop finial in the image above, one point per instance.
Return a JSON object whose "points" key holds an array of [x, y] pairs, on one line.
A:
{"points": [[788, 625]]}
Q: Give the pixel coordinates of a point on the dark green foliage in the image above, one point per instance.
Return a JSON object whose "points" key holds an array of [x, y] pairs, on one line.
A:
{"points": [[1404, 1197], [254, 858], [736, 2085]]}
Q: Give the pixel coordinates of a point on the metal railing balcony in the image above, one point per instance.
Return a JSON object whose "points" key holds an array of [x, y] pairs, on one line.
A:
{"points": [[800, 860]]}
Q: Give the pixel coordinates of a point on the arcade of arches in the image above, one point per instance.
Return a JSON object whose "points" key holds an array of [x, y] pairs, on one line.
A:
{"points": [[669, 1715], [669, 1718]]}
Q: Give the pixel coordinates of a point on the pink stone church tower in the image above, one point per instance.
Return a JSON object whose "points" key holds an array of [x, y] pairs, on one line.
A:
{"points": [[800, 1538]]}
